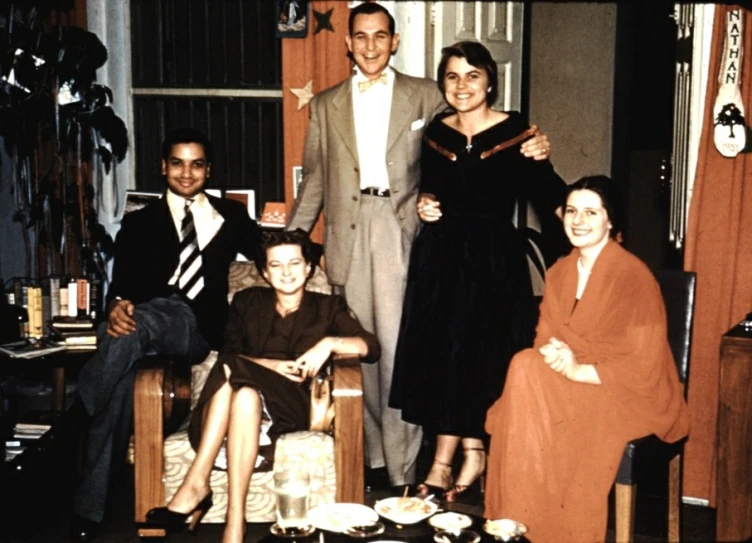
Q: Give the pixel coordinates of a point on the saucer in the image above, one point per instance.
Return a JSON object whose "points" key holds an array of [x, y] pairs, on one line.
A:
{"points": [[291, 531]]}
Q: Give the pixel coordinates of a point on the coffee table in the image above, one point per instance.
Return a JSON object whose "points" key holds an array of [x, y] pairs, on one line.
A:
{"points": [[421, 532]]}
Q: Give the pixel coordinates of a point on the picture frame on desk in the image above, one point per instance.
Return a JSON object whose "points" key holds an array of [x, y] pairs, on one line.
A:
{"points": [[246, 197], [274, 215]]}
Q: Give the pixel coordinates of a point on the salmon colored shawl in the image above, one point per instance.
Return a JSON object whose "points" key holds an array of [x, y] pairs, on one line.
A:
{"points": [[619, 326]]}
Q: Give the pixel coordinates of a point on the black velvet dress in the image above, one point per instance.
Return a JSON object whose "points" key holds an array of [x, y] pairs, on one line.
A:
{"points": [[469, 303]]}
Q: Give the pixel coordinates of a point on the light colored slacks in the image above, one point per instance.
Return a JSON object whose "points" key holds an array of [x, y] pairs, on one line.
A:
{"points": [[374, 290]]}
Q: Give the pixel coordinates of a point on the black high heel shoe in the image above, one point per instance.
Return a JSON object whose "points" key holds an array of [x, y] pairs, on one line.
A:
{"points": [[460, 487], [176, 522], [437, 490]]}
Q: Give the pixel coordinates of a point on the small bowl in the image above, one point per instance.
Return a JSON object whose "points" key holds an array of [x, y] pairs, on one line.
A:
{"points": [[505, 529], [405, 510], [450, 522], [460, 536]]}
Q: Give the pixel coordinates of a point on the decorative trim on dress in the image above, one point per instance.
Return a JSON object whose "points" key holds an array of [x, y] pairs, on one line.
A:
{"points": [[439, 149], [508, 143], [485, 154]]}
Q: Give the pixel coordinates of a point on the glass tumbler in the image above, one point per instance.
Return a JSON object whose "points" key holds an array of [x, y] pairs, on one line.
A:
{"points": [[292, 488]]}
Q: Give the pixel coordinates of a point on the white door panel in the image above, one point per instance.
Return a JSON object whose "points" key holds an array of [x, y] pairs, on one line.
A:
{"points": [[498, 26]]}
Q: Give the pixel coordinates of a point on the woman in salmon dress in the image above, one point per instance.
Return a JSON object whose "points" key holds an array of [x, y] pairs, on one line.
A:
{"points": [[600, 374]]}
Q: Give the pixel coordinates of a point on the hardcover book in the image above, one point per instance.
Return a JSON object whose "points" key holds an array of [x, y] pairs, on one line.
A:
{"points": [[71, 323]]}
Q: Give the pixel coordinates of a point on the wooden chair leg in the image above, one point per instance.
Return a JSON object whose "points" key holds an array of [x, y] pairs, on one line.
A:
{"points": [[148, 447], [674, 499], [625, 509]]}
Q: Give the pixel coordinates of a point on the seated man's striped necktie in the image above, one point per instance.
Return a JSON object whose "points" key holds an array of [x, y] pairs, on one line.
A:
{"points": [[190, 279]]}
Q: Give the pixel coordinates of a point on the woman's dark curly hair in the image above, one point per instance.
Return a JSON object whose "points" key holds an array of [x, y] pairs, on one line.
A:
{"points": [[287, 237]]}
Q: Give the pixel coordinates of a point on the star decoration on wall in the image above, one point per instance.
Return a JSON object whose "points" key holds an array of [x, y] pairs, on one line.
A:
{"points": [[323, 21], [304, 95]]}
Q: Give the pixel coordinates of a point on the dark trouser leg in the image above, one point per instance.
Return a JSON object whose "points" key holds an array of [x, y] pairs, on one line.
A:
{"points": [[108, 432], [164, 326]]}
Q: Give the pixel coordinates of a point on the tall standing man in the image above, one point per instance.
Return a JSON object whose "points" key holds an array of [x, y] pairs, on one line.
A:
{"points": [[361, 166], [168, 296]]}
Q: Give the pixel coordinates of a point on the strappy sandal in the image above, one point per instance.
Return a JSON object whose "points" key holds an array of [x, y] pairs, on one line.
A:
{"points": [[426, 489], [461, 486]]}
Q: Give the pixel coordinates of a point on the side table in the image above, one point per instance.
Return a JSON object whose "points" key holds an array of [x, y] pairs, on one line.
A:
{"points": [[734, 498], [58, 364]]}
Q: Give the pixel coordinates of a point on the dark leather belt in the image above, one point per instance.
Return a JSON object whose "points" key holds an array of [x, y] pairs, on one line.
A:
{"points": [[373, 191]]}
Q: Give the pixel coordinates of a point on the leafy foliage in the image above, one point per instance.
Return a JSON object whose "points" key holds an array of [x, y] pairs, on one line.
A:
{"points": [[57, 124]]}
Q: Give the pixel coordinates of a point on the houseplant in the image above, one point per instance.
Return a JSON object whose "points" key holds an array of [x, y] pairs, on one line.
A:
{"points": [[60, 133]]}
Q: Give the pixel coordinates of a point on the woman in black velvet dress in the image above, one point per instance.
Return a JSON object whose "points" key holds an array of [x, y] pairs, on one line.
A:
{"points": [[469, 304]]}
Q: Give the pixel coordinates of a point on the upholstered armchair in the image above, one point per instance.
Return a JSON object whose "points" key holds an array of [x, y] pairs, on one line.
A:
{"points": [[334, 460]]}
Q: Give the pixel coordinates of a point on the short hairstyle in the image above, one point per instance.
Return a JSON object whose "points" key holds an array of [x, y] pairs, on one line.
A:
{"points": [[297, 237], [609, 194], [369, 8], [476, 55], [187, 135]]}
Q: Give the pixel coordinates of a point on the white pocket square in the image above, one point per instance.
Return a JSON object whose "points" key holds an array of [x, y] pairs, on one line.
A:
{"points": [[417, 125]]}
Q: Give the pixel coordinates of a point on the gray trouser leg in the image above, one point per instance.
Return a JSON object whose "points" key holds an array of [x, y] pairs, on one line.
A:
{"points": [[374, 291]]}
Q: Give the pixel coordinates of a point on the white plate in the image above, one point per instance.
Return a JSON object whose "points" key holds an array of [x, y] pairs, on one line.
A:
{"points": [[405, 510], [338, 517], [450, 521]]}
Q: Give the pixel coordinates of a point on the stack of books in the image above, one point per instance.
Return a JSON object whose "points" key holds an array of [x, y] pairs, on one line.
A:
{"points": [[54, 296], [30, 429], [76, 334]]}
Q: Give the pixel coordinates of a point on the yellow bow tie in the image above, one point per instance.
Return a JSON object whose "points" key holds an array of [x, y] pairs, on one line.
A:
{"points": [[363, 86]]}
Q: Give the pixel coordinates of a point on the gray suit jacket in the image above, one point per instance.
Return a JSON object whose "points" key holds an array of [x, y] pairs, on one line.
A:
{"points": [[331, 175]]}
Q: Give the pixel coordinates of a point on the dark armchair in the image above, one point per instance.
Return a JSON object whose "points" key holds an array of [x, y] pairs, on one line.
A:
{"points": [[678, 289]]}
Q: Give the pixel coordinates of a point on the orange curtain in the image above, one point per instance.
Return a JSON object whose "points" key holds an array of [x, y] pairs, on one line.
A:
{"points": [[321, 59], [718, 248]]}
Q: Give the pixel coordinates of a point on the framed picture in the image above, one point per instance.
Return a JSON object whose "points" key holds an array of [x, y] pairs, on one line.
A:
{"points": [[247, 197], [292, 18], [135, 200], [297, 179]]}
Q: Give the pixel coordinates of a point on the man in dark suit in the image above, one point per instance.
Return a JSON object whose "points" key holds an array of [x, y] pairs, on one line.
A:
{"points": [[168, 296], [362, 167]]}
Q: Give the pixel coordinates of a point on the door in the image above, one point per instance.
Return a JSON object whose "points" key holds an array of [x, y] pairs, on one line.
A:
{"points": [[497, 25]]}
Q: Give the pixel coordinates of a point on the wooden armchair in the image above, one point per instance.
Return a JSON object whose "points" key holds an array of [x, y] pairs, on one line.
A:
{"points": [[334, 460]]}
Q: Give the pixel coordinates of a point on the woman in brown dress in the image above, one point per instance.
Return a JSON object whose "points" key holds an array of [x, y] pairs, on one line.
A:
{"points": [[275, 341], [599, 375]]}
